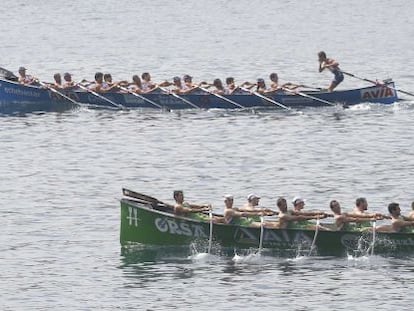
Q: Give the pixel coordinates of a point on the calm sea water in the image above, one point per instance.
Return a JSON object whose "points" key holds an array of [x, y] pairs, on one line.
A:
{"points": [[62, 174]]}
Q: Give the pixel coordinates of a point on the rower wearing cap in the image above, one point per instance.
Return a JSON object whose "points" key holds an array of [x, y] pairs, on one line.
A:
{"points": [[233, 216], [184, 208], [252, 202], [24, 78], [298, 206]]}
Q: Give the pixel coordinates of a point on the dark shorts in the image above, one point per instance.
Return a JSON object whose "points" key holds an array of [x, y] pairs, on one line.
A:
{"points": [[338, 77]]}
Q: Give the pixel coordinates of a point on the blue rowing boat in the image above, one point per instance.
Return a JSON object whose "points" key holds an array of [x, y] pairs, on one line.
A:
{"points": [[16, 98]]}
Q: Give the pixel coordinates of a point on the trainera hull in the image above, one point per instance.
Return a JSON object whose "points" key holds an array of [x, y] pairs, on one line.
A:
{"points": [[141, 223], [17, 98]]}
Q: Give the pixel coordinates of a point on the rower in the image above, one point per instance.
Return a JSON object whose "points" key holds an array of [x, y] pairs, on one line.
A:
{"points": [[398, 222], [97, 85], [136, 85], [177, 85], [343, 221], [147, 84], [274, 85], [231, 86], [67, 77], [298, 206], [25, 79], [183, 208], [288, 219], [233, 216], [58, 81], [219, 87], [333, 66], [411, 214]]}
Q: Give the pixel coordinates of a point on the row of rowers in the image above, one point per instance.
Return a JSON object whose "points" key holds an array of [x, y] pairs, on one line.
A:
{"points": [[296, 218], [103, 83]]}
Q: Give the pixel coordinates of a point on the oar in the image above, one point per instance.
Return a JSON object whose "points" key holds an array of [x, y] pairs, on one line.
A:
{"points": [[261, 234], [376, 83], [308, 96], [180, 98], [140, 96], [100, 96], [210, 240], [374, 230], [265, 98], [314, 237], [57, 92], [144, 197], [222, 97]]}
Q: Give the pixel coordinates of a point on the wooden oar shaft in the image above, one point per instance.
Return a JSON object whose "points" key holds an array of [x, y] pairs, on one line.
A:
{"points": [[100, 96], [265, 98], [376, 83], [180, 98], [57, 92], [223, 98], [140, 96], [309, 96]]}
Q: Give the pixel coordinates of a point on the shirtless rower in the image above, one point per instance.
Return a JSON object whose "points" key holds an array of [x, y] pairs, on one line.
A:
{"points": [[288, 218], [58, 81], [343, 220], [398, 222], [184, 208], [274, 85], [67, 77], [234, 216]]}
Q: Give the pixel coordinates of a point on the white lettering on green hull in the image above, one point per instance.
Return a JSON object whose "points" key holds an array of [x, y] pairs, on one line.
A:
{"points": [[173, 226]]}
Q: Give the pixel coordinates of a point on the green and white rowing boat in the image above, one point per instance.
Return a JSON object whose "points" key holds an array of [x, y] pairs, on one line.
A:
{"points": [[146, 220]]}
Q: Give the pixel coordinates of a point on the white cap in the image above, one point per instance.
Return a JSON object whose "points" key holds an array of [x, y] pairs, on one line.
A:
{"points": [[297, 200], [252, 196], [228, 196]]}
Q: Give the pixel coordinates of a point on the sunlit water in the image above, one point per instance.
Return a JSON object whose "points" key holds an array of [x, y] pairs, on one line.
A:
{"points": [[62, 174]]}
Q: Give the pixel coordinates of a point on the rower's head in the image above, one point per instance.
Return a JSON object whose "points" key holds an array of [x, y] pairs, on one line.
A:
{"points": [[394, 209], [22, 71], [412, 205], [322, 56], [361, 204], [253, 199], [136, 80], [281, 204], [335, 206], [187, 78], [228, 201], [146, 76], [107, 77], [178, 196], [298, 203], [99, 77], [58, 78], [261, 83], [273, 77], [218, 84], [230, 81], [177, 81], [67, 77]]}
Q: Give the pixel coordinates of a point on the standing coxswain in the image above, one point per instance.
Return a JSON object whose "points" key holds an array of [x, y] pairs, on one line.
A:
{"points": [[333, 66]]}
